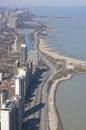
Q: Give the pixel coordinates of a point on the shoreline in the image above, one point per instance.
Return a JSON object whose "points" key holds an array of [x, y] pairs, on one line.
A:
{"points": [[53, 113], [44, 49], [55, 122]]}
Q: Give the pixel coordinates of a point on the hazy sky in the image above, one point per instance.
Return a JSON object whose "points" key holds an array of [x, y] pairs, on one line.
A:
{"points": [[42, 2]]}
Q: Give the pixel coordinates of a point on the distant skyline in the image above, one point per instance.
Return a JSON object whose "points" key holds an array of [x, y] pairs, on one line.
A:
{"points": [[27, 3]]}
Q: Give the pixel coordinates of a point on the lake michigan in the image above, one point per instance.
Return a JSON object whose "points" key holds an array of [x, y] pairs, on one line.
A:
{"points": [[68, 37]]}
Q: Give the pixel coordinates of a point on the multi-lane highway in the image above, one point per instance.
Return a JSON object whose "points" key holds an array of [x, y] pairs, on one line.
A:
{"points": [[37, 119]]}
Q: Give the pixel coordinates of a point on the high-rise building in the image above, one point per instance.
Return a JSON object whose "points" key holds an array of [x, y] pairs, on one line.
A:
{"points": [[30, 67], [18, 102], [34, 68], [19, 89], [1, 77], [11, 114], [23, 54], [22, 71], [9, 120], [34, 56], [2, 24], [11, 23], [16, 66], [19, 86], [6, 13], [3, 97]]}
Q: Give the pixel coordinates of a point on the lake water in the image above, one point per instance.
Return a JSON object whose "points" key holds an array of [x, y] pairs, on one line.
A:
{"points": [[71, 103], [68, 37]]}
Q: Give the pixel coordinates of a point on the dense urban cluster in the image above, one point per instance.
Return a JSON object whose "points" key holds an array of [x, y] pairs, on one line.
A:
{"points": [[17, 69], [28, 79]]}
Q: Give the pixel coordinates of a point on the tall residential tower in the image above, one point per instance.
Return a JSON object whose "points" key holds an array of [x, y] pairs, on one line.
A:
{"points": [[9, 116], [23, 55]]}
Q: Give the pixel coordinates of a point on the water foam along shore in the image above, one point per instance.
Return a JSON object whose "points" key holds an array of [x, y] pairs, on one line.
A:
{"points": [[43, 48], [54, 118]]}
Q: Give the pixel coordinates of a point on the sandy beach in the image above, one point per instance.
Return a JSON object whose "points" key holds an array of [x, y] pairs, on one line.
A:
{"points": [[54, 120], [43, 48]]}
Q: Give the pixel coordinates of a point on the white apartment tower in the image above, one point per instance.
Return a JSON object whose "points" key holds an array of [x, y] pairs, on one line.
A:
{"points": [[19, 86], [9, 116], [19, 89]]}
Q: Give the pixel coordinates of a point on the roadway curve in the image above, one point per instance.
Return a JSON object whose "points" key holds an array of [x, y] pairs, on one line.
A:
{"points": [[38, 120], [43, 113]]}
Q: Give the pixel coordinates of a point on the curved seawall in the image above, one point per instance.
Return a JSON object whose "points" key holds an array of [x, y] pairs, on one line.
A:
{"points": [[71, 103], [54, 117]]}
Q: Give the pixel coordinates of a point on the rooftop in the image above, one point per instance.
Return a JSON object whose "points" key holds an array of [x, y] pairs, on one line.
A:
{"points": [[23, 45]]}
